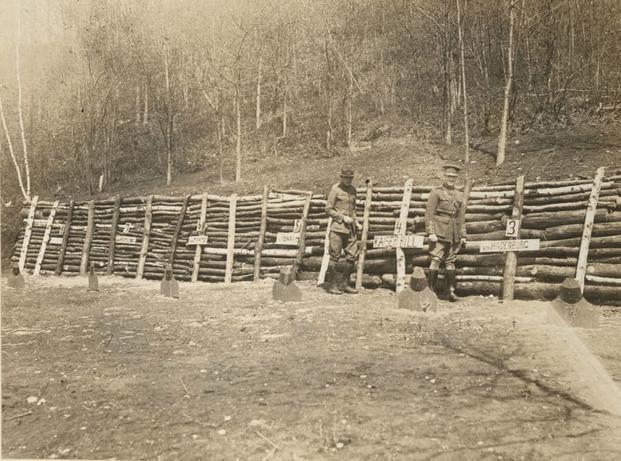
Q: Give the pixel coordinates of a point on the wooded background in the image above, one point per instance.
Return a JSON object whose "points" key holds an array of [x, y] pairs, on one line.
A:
{"points": [[161, 87]]}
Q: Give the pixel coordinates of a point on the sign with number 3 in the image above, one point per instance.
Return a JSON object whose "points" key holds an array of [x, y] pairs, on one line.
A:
{"points": [[513, 227]]}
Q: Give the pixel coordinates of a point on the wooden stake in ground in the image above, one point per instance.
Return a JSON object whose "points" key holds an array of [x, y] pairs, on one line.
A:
{"points": [[230, 247], [88, 239], [46, 237], [365, 234], [27, 233], [326, 255], [259, 246], [588, 227], [173, 246], [63, 246], [145, 236], [511, 257], [201, 231], [116, 211], [302, 239], [400, 231]]}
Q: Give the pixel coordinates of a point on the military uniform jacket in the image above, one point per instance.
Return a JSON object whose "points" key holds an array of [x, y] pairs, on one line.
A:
{"points": [[341, 202], [445, 214]]}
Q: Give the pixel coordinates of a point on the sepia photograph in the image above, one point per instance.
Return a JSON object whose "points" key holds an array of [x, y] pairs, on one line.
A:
{"points": [[310, 230]]}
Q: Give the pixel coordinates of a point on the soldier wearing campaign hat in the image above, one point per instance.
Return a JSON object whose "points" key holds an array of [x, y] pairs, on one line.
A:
{"points": [[343, 236], [444, 219]]}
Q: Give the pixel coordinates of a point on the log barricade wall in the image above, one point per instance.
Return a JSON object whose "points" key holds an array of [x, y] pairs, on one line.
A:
{"points": [[552, 211]]}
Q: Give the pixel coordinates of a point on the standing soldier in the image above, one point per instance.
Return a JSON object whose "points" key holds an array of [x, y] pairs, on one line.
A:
{"points": [[444, 218], [343, 236]]}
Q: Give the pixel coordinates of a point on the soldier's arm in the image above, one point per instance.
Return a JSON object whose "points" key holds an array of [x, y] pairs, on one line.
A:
{"points": [[330, 210], [432, 202], [462, 216]]}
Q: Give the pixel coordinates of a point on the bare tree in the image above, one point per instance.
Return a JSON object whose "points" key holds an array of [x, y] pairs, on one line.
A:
{"points": [[460, 28], [502, 137]]}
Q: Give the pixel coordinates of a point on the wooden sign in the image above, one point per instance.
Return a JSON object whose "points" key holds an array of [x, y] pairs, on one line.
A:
{"points": [[396, 241], [491, 246], [513, 228], [56, 241], [288, 238], [39, 222], [197, 240], [125, 239]]}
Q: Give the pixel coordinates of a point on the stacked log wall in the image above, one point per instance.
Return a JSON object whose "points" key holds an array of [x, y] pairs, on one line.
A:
{"points": [[553, 212]]}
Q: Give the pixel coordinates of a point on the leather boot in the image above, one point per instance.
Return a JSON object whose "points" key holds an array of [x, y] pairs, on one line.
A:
{"points": [[433, 276], [333, 278], [452, 285], [345, 274]]}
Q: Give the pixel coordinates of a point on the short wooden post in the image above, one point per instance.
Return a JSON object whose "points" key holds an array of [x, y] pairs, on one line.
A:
{"points": [[63, 246], [258, 249], [88, 238], [27, 233], [201, 231], [148, 215], [325, 261], [173, 247], [583, 255], [508, 283], [365, 234], [230, 246], [403, 223], [116, 211], [302, 240], [46, 238]]}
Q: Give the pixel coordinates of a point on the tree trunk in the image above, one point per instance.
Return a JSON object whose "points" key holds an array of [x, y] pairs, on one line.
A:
{"points": [[10, 144], [19, 106], [328, 78], [463, 78], [350, 96], [258, 111], [448, 93], [145, 115], [238, 116], [169, 121], [502, 138]]}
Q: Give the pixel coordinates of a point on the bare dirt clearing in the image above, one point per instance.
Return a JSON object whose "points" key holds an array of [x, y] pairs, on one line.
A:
{"points": [[227, 373]]}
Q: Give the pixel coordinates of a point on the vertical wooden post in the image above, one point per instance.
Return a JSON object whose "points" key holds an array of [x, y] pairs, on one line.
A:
{"points": [[230, 246], [46, 238], [88, 238], [201, 231], [116, 211], [145, 237], [63, 246], [259, 246], [173, 247], [365, 234], [583, 255], [403, 223], [508, 283], [302, 241], [326, 255], [27, 233]]}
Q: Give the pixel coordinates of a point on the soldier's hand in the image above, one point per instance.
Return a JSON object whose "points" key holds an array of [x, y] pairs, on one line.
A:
{"points": [[433, 238], [348, 219]]}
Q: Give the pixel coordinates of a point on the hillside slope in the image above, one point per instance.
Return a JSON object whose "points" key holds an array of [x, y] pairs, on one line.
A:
{"points": [[543, 156]]}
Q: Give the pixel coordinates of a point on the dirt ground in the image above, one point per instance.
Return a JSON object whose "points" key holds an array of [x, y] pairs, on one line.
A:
{"points": [[225, 372]]}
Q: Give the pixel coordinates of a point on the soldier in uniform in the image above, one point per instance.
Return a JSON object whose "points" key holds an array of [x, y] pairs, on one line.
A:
{"points": [[343, 236], [444, 218]]}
